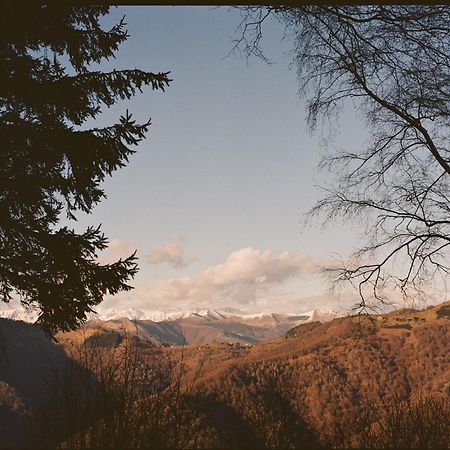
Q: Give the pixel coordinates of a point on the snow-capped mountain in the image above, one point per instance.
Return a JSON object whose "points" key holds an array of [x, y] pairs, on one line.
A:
{"points": [[156, 316], [190, 327], [20, 313], [320, 314]]}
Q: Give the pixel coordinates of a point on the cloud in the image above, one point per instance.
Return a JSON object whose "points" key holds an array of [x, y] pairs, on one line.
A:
{"points": [[171, 253], [116, 250], [247, 276], [255, 267]]}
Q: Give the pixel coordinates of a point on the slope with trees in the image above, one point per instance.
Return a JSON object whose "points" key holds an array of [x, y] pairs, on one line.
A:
{"points": [[362, 381], [377, 381]]}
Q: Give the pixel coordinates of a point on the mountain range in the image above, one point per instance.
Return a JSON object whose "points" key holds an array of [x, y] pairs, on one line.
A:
{"points": [[188, 327]]}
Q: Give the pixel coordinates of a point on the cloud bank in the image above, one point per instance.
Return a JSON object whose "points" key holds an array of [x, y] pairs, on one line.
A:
{"points": [[248, 276]]}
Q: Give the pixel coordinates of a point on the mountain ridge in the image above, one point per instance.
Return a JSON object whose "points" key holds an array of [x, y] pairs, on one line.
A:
{"points": [[200, 326], [31, 315]]}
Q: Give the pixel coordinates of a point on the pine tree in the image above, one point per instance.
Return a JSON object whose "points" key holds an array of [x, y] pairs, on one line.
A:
{"points": [[51, 165]]}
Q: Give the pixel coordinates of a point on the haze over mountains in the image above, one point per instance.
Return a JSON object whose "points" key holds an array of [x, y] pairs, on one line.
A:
{"points": [[201, 326], [191, 327]]}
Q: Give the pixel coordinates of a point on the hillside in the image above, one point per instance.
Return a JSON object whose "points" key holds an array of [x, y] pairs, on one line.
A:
{"points": [[337, 376], [28, 361], [361, 381]]}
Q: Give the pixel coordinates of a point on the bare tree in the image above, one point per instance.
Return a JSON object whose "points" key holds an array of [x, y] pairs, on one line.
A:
{"points": [[393, 62], [118, 393]]}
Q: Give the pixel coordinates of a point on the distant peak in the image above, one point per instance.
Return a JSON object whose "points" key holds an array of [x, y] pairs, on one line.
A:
{"points": [[321, 314]]}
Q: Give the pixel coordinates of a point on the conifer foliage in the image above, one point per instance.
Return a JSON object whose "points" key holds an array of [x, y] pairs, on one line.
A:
{"points": [[51, 165]]}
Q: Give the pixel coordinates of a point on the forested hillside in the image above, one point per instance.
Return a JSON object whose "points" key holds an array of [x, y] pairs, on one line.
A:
{"points": [[360, 381]]}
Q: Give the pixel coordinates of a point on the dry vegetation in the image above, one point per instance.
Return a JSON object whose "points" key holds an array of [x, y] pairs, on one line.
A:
{"points": [[364, 382]]}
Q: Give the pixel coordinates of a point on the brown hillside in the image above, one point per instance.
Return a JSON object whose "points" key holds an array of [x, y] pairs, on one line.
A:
{"points": [[329, 373], [362, 381]]}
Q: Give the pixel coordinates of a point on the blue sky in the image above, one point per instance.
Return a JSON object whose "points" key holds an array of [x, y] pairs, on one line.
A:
{"points": [[214, 197]]}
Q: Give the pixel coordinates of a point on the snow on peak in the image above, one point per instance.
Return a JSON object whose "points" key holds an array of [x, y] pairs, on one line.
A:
{"points": [[136, 314], [20, 313], [320, 314]]}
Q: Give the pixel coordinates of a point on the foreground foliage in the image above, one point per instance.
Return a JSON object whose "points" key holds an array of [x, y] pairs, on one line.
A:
{"points": [[50, 163]]}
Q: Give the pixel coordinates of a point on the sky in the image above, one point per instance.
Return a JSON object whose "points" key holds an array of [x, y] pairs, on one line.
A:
{"points": [[215, 198]]}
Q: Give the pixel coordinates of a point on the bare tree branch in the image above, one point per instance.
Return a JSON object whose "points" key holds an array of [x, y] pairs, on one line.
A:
{"points": [[394, 62]]}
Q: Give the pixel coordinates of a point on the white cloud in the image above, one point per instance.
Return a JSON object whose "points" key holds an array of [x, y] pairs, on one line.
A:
{"points": [[171, 253], [116, 250], [246, 277]]}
